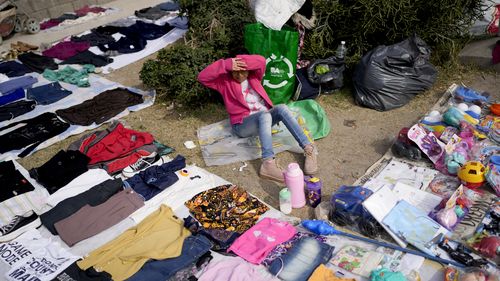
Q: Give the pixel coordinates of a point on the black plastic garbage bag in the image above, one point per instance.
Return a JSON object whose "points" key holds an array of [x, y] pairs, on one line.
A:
{"points": [[388, 77], [328, 73]]}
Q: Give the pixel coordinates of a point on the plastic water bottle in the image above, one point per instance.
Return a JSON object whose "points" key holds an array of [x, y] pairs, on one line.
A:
{"points": [[313, 189], [285, 201], [341, 50], [294, 180]]}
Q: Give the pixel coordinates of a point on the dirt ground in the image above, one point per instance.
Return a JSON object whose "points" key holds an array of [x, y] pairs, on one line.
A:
{"points": [[345, 154]]}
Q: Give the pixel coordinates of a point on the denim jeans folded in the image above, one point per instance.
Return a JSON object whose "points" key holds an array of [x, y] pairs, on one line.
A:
{"points": [[193, 248], [301, 261], [47, 94]]}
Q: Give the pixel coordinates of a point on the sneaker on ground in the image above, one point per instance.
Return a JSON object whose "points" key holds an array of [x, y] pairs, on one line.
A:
{"points": [[141, 164], [18, 225]]}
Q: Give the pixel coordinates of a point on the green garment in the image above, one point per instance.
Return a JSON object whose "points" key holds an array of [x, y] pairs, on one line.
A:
{"points": [[71, 75], [384, 274]]}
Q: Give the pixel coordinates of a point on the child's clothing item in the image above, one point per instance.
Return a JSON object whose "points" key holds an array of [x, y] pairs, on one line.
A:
{"points": [[233, 269], [384, 274], [322, 273], [256, 243], [254, 101]]}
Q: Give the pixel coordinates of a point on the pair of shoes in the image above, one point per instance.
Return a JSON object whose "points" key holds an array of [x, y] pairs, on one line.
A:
{"points": [[311, 161], [19, 225], [10, 55], [141, 164], [22, 47], [270, 169]]}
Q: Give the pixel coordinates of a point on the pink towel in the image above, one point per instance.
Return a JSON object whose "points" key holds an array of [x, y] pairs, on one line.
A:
{"points": [[256, 243]]}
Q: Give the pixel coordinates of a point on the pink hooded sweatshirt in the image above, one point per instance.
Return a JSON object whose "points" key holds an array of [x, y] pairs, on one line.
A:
{"points": [[217, 76]]}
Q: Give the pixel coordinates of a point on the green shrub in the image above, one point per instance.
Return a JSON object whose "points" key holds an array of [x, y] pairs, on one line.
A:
{"points": [[365, 24], [215, 31]]}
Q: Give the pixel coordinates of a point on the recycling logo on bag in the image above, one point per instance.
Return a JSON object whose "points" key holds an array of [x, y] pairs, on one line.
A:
{"points": [[279, 47], [278, 72]]}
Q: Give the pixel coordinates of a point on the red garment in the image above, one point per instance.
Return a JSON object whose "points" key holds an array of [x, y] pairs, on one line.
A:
{"points": [[66, 49], [217, 76], [86, 9], [121, 146], [496, 53]]}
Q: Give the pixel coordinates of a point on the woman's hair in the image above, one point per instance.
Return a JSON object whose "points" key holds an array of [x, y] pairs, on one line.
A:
{"points": [[238, 51]]}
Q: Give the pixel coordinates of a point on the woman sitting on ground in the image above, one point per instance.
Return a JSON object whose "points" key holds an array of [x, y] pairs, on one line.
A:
{"points": [[251, 112]]}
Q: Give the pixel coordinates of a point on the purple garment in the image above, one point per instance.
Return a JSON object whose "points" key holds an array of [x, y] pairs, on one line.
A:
{"points": [[11, 85], [49, 23], [65, 50]]}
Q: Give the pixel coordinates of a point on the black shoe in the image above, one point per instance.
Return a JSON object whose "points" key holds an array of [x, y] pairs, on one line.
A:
{"points": [[141, 164], [18, 226]]}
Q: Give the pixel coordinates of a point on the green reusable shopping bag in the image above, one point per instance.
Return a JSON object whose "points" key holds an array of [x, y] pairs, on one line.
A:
{"points": [[314, 115], [279, 47]]}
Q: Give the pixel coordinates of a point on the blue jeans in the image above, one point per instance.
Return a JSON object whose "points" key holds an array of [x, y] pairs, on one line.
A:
{"points": [[193, 248], [260, 124], [47, 94], [301, 260]]}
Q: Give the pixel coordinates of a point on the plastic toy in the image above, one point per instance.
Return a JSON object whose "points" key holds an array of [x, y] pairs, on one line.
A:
{"points": [[473, 276], [472, 174], [493, 177], [469, 95], [347, 210], [453, 116], [450, 274], [467, 131], [448, 133], [495, 109], [488, 246], [404, 147], [461, 254], [427, 142], [433, 122], [447, 217], [458, 155], [489, 123]]}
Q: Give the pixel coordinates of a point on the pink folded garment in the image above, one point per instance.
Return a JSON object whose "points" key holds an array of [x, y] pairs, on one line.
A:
{"points": [[256, 243], [234, 269]]}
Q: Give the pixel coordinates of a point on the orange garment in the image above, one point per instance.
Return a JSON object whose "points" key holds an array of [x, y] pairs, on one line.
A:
{"points": [[322, 273]]}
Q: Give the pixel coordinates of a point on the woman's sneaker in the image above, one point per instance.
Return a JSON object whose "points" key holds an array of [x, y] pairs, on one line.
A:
{"points": [[18, 225]]}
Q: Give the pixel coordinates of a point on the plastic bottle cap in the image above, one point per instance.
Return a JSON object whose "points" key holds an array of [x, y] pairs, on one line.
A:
{"points": [[293, 169], [314, 179], [285, 193]]}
